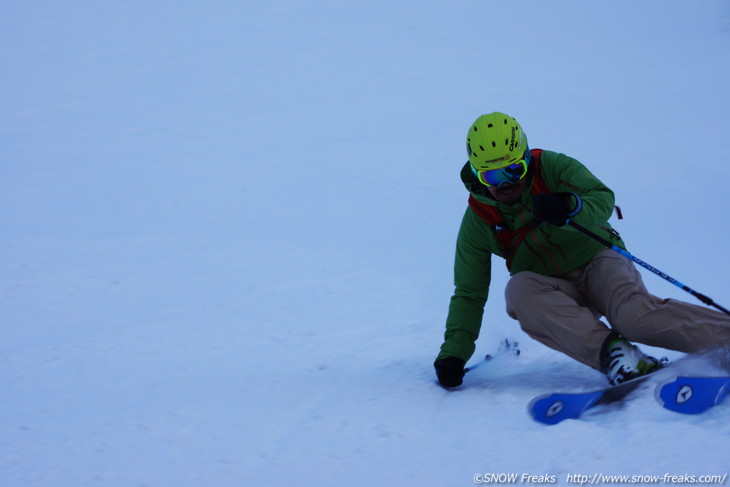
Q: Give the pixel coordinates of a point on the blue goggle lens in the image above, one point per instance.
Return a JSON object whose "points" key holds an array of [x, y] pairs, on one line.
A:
{"points": [[508, 174]]}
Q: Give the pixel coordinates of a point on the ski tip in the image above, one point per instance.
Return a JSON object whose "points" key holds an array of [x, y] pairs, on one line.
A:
{"points": [[691, 395], [676, 394], [661, 391], [550, 409]]}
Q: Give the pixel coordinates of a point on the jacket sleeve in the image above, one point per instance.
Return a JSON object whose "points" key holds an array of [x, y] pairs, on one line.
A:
{"points": [[573, 177], [472, 276]]}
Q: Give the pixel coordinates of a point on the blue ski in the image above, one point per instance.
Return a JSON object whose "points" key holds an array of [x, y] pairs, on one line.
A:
{"points": [[692, 395], [554, 408]]}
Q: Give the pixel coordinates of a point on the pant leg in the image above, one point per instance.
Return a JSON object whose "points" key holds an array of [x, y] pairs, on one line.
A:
{"points": [[554, 312], [614, 287]]}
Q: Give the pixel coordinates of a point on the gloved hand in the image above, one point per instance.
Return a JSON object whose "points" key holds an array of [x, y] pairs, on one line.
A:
{"points": [[450, 371], [555, 208]]}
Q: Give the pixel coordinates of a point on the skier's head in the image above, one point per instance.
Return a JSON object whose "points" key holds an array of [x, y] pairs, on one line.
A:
{"points": [[496, 141]]}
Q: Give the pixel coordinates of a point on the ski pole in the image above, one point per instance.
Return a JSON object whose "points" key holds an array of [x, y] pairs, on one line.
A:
{"points": [[643, 264], [507, 346], [478, 364]]}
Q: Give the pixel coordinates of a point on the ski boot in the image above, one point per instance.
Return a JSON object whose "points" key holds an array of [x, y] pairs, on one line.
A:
{"points": [[622, 361]]}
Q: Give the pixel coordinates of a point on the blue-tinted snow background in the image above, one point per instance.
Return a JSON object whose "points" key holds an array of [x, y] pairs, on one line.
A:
{"points": [[227, 233]]}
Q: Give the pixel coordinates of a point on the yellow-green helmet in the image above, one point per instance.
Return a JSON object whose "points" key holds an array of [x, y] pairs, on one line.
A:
{"points": [[494, 141]]}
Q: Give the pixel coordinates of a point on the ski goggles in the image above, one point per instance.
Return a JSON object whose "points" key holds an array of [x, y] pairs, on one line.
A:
{"points": [[509, 174]]}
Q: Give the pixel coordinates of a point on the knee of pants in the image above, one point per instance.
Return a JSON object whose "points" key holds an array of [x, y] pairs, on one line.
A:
{"points": [[535, 293], [520, 288]]}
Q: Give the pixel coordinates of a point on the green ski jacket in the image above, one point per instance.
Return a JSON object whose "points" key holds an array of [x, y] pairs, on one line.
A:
{"points": [[546, 249]]}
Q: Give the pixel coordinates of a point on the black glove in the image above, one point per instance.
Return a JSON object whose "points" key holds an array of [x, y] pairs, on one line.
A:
{"points": [[555, 208], [450, 371]]}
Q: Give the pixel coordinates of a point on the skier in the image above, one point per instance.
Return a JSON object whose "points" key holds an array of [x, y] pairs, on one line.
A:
{"points": [[562, 282]]}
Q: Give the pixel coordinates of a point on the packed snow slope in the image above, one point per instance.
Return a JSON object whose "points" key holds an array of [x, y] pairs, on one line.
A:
{"points": [[228, 232]]}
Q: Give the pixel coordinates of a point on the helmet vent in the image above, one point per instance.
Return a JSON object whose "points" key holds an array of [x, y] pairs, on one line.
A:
{"points": [[493, 140]]}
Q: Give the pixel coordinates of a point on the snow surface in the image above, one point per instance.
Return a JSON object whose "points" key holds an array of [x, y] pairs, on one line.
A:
{"points": [[228, 229]]}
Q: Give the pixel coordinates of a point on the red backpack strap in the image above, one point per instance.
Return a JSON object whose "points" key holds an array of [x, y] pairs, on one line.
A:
{"points": [[494, 219], [538, 183], [489, 213], [507, 238]]}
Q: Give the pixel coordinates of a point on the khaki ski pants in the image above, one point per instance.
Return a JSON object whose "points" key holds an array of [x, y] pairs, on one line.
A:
{"points": [[564, 313]]}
